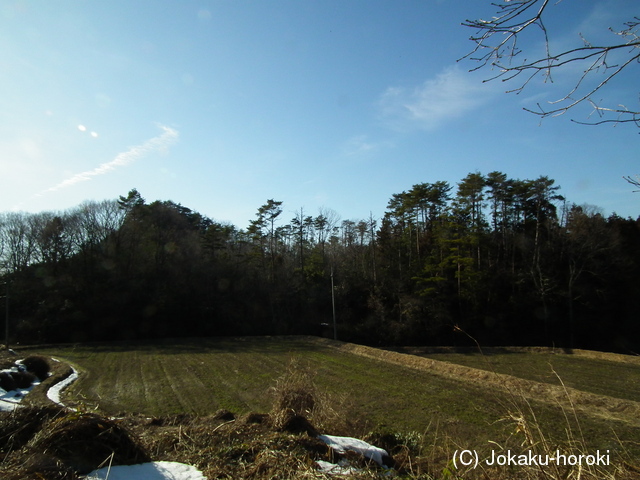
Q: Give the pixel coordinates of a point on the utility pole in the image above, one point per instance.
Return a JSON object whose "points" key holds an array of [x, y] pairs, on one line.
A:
{"points": [[333, 306], [5, 266], [6, 313]]}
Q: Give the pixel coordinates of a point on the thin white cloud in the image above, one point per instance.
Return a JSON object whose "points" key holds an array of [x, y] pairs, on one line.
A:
{"points": [[159, 143], [451, 94]]}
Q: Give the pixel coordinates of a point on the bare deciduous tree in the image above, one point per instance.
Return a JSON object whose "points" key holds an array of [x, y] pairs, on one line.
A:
{"points": [[497, 47]]}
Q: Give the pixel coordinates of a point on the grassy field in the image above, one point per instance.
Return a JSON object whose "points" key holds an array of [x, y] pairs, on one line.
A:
{"points": [[201, 376]]}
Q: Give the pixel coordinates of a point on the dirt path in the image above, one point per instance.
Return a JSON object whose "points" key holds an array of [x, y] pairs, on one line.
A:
{"points": [[602, 406]]}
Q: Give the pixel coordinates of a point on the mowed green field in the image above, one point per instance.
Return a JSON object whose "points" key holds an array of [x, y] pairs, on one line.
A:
{"points": [[200, 376], [203, 375]]}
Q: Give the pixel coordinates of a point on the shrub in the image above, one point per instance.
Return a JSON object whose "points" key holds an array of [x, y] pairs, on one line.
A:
{"points": [[7, 382], [38, 365], [23, 379]]}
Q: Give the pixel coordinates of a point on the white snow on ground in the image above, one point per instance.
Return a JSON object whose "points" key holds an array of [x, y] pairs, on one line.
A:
{"points": [[148, 471], [10, 400], [54, 392], [333, 469], [342, 444]]}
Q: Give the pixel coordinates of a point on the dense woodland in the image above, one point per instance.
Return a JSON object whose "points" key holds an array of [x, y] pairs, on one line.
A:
{"points": [[498, 260]]}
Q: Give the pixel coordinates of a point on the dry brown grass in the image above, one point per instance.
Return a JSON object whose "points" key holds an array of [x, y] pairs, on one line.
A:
{"points": [[249, 447], [87, 441], [19, 426], [54, 443], [529, 436]]}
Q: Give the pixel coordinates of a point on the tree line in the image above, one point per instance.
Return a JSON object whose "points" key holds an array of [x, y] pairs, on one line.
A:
{"points": [[494, 259]]}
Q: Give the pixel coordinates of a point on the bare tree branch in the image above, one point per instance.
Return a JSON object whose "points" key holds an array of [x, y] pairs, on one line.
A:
{"points": [[496, 47], [633, 181]]}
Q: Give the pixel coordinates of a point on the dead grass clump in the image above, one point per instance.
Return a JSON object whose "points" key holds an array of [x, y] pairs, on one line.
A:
{"points": [[266, 454], [20, 425], [173, 420], [38, 365], [224, 415], [254, 417], [297, 424], [296, 394], [270, 463], [86, 442], [30, 466]]}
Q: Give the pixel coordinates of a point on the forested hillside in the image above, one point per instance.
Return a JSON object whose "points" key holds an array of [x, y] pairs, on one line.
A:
{"points": [[505, 261]]}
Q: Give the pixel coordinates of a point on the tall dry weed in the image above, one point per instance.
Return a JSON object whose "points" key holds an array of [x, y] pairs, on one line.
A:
{"points": [[580, 459], [296, 393], [527, 434]]}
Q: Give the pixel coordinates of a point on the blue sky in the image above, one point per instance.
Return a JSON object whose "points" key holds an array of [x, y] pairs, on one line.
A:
{"points": [[221, 105]]}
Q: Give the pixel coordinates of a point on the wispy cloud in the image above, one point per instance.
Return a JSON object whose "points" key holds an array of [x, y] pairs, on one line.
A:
{"points": [[451, 94], [159, 143]]}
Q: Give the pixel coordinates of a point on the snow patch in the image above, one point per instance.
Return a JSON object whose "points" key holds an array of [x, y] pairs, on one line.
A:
{"points": [[148, 471], [342, 444], [333, 469], [54, 392], [10, 400]]}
